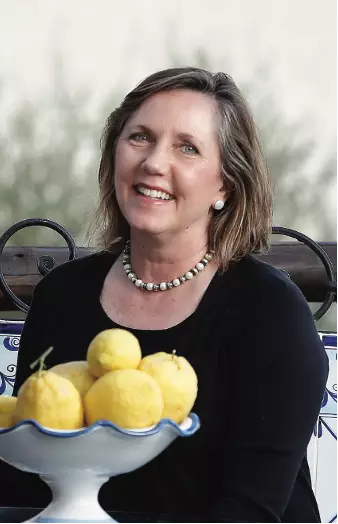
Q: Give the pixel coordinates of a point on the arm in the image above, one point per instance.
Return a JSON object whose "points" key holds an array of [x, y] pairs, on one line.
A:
{"points": [[20, 488], [30, 341], [277, 372]]}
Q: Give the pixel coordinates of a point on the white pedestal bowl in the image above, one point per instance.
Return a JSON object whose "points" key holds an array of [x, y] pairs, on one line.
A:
{"points": [[75, 464]]}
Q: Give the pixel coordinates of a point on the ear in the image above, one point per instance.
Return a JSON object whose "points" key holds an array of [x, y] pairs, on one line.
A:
{"points": [[220, 199], [222, 194]]}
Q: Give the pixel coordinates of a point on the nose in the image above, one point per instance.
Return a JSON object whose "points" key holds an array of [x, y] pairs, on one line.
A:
{"points": [[157, 161]]}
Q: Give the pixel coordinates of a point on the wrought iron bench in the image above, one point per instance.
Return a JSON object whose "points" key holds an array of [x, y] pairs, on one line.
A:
{"points": [[322, 448]]}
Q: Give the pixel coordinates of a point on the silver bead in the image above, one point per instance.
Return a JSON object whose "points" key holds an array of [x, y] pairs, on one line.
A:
{"points": [[163, 285]]}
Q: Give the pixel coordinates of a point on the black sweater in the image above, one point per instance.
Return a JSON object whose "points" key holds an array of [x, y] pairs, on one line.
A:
{"points": [[262, 371]]}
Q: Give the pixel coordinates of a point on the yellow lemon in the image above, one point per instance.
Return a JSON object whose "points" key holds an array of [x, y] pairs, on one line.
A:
{"points": [[7, 406], [78, 373], [51, 400], [129, 398], [113, 349], [177, 380]]}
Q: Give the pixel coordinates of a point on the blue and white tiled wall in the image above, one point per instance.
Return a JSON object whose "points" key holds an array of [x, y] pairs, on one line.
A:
{"points": [[322, 451], [9, 346]]}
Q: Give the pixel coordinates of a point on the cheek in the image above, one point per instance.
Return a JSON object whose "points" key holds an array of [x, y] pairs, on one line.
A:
{"points": [[123, 166], [120, 182], [200, 184]]}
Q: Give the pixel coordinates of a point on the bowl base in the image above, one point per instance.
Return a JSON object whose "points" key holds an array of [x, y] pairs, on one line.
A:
{"points": [[44, 520], [75, 498]]}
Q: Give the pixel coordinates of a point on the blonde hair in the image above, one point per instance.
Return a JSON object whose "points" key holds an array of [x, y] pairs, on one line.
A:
{"points": [[243, 226]]}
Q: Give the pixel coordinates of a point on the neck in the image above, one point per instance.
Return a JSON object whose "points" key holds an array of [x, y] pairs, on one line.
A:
{"points": [[157, 260]]}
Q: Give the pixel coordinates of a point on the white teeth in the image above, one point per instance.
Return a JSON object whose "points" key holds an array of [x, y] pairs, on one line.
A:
{"points": [[153, 193]]}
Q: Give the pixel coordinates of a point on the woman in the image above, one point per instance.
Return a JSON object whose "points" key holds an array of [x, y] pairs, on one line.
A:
{"points": [[182, 177]]}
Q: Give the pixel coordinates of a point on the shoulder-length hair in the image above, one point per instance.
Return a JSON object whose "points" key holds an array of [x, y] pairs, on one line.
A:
{"points": [[243, 226]]}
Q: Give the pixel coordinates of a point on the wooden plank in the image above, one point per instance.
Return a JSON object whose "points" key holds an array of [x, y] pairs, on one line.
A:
{"points": [[19, 265]]}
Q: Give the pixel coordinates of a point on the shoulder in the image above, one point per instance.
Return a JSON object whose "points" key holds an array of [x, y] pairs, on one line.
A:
{"points": [[259, 293], [272, 316], [261, 282], [74, 272]]}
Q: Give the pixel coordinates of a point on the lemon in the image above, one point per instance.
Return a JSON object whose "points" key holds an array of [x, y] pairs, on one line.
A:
{"points": [[177, 380], [113, 349], [51, 400], [129, 398], [7, 406], [78, 373]]}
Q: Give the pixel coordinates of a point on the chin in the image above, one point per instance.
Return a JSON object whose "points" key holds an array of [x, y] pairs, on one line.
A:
{"points": [[148, 223], [149, 227]]}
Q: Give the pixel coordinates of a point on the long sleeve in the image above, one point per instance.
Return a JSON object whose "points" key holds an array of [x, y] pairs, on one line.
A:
{"points": [[19, 488], [30, 341], [277, 372]]}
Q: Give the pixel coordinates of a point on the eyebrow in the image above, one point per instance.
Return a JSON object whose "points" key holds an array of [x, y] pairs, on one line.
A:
{"points": [[189, 138], [142, 127], [182, 136]]}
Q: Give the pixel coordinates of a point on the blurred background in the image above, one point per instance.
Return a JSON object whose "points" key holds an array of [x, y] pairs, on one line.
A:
{"points": [[65, 65]]}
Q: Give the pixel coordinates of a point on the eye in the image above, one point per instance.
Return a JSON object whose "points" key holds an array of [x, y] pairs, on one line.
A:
{"points": [[189, 149], [139, 137]]}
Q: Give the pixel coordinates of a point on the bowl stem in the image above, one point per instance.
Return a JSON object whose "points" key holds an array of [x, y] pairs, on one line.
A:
{"points": [[75, 498]]}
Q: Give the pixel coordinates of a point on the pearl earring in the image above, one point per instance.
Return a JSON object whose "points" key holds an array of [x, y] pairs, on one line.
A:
{"points": [[218, 205]]}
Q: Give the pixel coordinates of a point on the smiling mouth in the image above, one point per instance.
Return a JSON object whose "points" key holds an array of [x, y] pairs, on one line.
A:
{"points": [[153, 193]]}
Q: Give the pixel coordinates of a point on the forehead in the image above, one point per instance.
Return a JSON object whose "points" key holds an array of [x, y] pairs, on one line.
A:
{"points": [[180, 110]]}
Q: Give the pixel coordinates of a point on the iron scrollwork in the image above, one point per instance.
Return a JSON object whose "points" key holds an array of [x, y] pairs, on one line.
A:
{"points": [[331, 284], [44, 264]]}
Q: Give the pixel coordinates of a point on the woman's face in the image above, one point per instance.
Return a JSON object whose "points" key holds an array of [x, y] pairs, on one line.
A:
{"points": [[167, 164]]}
